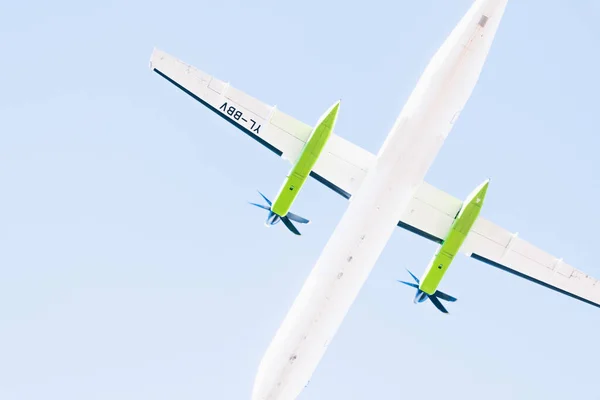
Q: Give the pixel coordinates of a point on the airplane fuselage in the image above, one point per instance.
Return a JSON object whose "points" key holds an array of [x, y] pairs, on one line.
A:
{"points": [[375, 209]]}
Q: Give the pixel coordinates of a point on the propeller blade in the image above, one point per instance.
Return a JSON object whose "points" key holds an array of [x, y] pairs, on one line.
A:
{"points": [[264, 197], [297, 218], [410, 284], [414, 277], [261, 206], [437, 304], [289, 225], [444, 296]]}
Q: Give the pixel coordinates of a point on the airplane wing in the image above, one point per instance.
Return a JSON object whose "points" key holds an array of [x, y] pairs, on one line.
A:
{"points": [[431, 213], [343, 165]]}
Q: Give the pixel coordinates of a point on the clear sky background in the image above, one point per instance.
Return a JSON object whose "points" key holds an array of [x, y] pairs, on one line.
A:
{"points": [[131, 266]]}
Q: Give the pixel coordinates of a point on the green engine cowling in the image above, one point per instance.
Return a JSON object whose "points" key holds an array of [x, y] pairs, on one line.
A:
{"points": [[456, 236]]}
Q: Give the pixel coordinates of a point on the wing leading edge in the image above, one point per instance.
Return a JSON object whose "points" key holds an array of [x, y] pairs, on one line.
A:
{"points": [[343, 165]]}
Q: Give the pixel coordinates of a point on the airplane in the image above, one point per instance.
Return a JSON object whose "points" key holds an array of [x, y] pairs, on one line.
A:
{"points": [[279, 209], [449, 247], [384, 190]]}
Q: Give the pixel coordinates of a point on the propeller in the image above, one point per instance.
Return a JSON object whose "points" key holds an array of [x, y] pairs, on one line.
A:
{"points": [[274, 218], [435, 298]]}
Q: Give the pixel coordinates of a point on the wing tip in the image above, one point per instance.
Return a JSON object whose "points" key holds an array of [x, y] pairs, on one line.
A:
{"points": [[154, 49], [156, 55]]}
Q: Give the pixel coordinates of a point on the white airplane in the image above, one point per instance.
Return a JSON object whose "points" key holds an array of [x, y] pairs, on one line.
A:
{"points": [[385, 190]]}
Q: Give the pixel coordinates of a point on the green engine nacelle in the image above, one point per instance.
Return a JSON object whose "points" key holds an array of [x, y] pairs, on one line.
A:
{"points": [[459, 230], [308, 157]]}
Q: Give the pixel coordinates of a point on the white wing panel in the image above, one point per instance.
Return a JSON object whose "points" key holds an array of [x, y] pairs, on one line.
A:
{"points": [[247, 113], [430, 213], [343, 164]]}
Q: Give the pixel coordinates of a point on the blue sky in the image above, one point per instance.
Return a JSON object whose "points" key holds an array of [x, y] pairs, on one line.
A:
{"points": [[133, 268]]}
